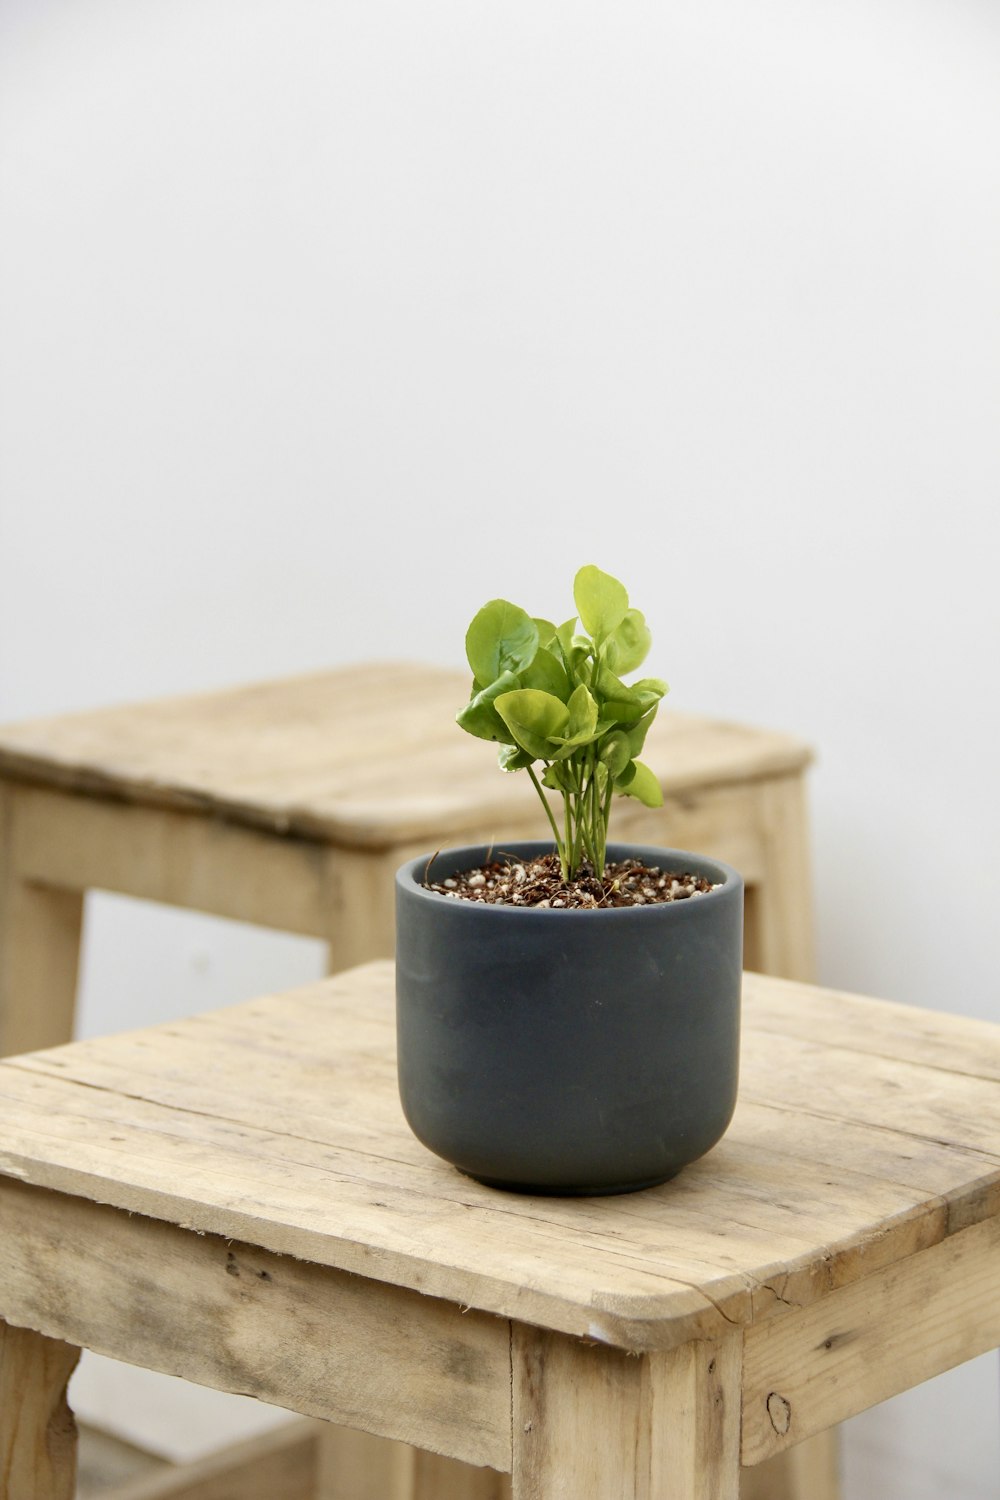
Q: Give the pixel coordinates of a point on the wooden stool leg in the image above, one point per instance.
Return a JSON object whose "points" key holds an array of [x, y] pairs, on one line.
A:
{"points": [[437, 1478], [357, 1466], [37, 1430], [593, 1423], [40, 929], [780, 910], [809, 1471], [361, 923], [780, 941]]}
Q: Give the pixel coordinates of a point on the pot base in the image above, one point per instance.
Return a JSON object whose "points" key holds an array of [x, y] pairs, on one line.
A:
{"points": [[570, 1192]]}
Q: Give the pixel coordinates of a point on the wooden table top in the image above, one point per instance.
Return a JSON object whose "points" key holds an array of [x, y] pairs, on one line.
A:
{"points": [[362, 756], [865, 1131]]}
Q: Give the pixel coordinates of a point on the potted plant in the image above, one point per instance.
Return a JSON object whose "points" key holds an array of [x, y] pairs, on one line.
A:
{"points": [[568, 1012]]}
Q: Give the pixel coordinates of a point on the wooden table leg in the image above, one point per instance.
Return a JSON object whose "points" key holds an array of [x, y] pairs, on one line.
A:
{"points": [[37, 1430], [40, 928], [593, 1423]]}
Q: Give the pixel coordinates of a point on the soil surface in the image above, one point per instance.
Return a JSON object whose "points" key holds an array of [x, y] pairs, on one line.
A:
{"points": [[537, 882]]}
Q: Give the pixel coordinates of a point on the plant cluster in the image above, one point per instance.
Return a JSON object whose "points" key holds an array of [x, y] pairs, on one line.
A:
{"points": [[555, 696]]}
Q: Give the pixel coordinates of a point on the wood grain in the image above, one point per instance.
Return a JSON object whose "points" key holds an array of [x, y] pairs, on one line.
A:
{"points": [[238, 1318], [589, 1422], [278, 1123], [40, 928], [366, 755], [37, 1431], [356, 1466], [865, 1342]]}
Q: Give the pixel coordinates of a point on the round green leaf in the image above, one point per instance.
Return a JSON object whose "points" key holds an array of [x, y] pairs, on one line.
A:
{"points": [[513, 758], [533, 717], [650, 690], [644, 786], [582, 712], [557, 778], [623, 712], [601, 602], [632, 640], [638, 731], [479, 716], [611, 688], [501, 638], [546, 631], [547, 674], [615, 752]]}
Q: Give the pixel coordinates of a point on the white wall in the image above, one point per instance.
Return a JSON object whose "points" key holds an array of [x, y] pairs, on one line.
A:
{"points": [[323, 323]]}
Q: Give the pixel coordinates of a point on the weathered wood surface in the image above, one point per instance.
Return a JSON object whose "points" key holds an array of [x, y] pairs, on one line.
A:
{"points": [[364, 755], [55, 845], [278, 1123], [865, 1342], [232, 1316], [37, 1430], [590, 1422], [40, 928], [355, 1466]]}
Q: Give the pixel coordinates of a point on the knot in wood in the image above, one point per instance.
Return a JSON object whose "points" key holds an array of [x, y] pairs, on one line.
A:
{"points": [[780, 1412]]}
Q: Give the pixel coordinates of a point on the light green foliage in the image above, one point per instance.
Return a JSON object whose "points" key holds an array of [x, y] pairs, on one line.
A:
{"points": [[554, 696]]}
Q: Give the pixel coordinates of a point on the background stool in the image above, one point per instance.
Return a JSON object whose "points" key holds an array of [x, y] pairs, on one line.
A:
{"points": [[291, 803]]}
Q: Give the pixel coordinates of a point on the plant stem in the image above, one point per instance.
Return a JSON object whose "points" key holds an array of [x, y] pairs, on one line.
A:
{"points": [[548, 813], [606, 812], [574, 852], [595, 813]]}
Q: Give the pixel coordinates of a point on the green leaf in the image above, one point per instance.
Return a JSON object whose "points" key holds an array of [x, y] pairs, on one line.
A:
{"points": [[614, 752], [479, 716], [513, 758], [650, 690], [546, 631], [644, 786], [637, 733], [547, 674], [501, 638], [557, 778], [533, 717], [612, 689], [583, 727], [632, 641], [574, 650], [564, 635], [623, 712], [601, 602], [582, 713], [620, 702]]}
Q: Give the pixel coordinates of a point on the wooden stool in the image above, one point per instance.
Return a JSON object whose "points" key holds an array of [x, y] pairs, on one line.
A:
{"points": [[290, 804], [236, 1199]]}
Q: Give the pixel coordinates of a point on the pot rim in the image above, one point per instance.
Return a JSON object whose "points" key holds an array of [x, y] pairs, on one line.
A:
{"points": [[410, 877]]}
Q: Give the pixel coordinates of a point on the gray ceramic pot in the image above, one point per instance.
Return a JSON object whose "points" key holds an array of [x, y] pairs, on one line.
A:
{"points": [[568, 1051]]}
